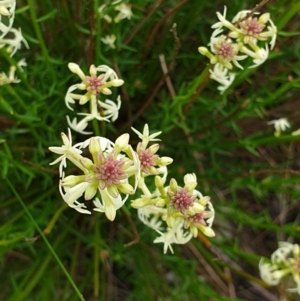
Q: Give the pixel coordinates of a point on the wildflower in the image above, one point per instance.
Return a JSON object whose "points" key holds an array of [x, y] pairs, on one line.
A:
{"points": [[183, 209], [93, 84], [13, 44], [222, 76], [67, 151], [280, 125], [101, 10], [7, 10], [174, 235], [107, 173], [224, 51], [125, 12], [11, 78], [151, 216], [252, 28], [109, 40], [259, 55], [145, 137], [247, 36], [80, 126], [285, 261], [111, 109], [150, 162]]}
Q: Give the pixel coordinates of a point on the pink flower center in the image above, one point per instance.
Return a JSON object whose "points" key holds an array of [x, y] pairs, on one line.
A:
{"points": [[198, 218], [251, 27], [225, 50], [147, 159], [110, 172], [94, 83], [181, 199]]}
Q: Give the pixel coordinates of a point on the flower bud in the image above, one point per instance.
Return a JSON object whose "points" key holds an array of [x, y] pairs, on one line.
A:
{"points": [[122, 142], [163, 161], [126, 188], [76, 69], [71, 181]]}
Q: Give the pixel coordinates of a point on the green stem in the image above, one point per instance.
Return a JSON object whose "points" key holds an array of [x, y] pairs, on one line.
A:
{"points": [[194, 86], [55, 218], [294, 9], [96, 127], [37, 273], [40, 37], [80, 296], [15, 95], [96, 260], [97, 55]]}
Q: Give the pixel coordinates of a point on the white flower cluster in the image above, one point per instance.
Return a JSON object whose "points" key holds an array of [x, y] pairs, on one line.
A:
{"points": [[93, 86], [248, 35], [176, 213], [285, 263], [108, 172], [10, 38], [123, 12], [114, 171]]}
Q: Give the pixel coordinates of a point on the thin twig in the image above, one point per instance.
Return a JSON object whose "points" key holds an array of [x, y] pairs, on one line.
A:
{"points": [[143, 21], [134, 230], [39, 167], [176, 46], [255, 9], [166, 73], [159, 24]]}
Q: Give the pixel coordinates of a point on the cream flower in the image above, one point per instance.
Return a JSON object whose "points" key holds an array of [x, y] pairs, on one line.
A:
{"points": [[222, 76], [92, 84], [11, 78], [280, 125], [245, 37], [67, 151], [125, 12], [106, 173], [7, 11], [145, 137], [183, 210], [109, 40], [285, 262], [15, 43], [174, 235]]}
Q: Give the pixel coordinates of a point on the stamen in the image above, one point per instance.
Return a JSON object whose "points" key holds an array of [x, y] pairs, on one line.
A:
{"points": [[110, 172], [147, 159], [94, 83], [181, 199]]}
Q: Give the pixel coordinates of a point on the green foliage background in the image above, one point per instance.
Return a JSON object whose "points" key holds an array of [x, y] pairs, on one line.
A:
{"points": [[50, 252]]}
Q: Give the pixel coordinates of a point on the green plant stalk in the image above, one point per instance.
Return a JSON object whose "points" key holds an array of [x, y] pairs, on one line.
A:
{"points": [[96, 259], [40, 38], [194, 85], [98, 33], [45, 239], [13, 92], [96, 127], [294, 9], [37, 275], [55, 218], [182, 103]]}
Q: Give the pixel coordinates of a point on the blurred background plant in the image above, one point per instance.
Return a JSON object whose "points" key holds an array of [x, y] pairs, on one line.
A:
{"points": [[251, 175]]}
